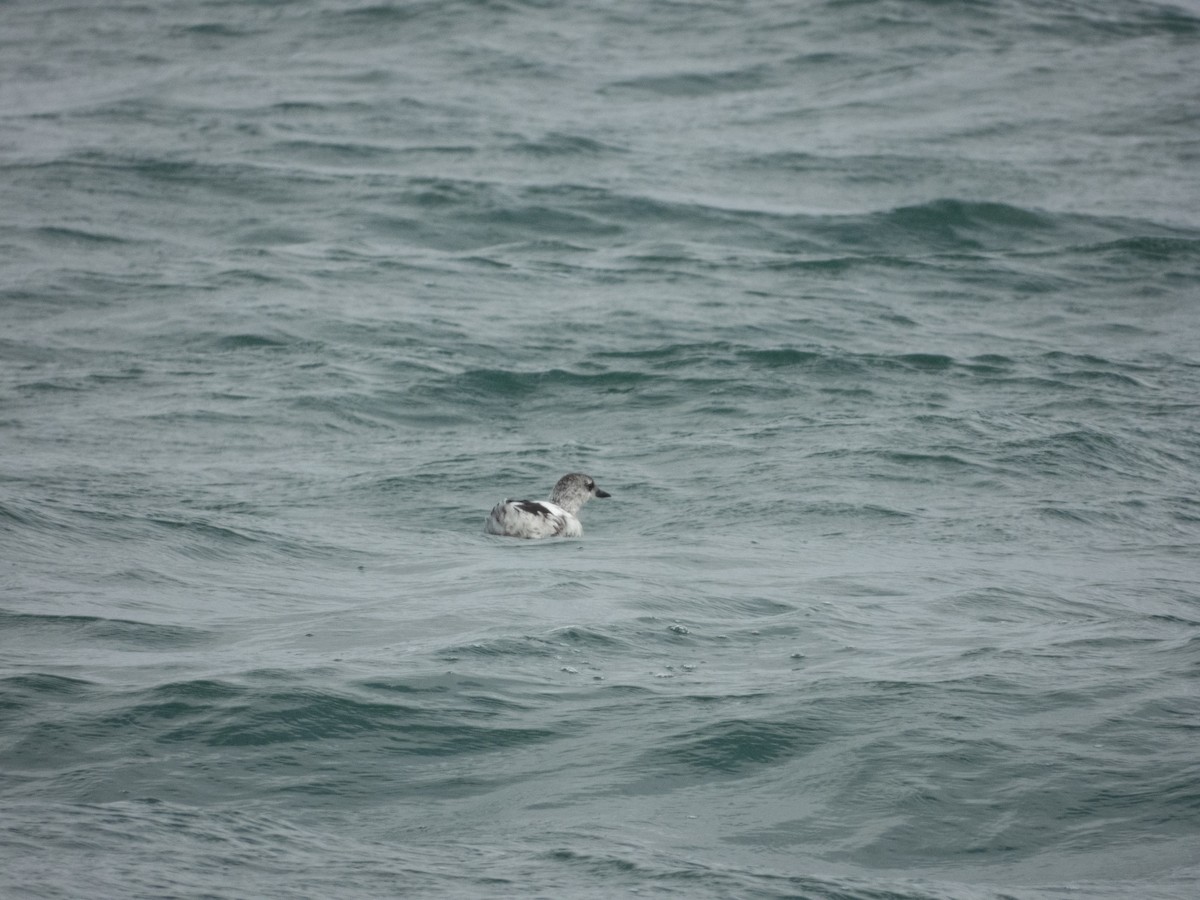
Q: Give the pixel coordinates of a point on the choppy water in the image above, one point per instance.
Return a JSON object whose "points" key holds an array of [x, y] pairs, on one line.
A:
{"points": [[878, 319]]}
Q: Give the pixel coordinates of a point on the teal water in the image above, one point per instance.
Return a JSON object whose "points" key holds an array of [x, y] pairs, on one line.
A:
{"points": [[878, 319]]}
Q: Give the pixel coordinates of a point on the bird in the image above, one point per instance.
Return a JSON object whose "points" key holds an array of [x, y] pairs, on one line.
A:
{"points": [[556, 517]]}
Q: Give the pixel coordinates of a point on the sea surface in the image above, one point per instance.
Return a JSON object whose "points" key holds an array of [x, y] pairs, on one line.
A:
{"points": [[879, 320]]}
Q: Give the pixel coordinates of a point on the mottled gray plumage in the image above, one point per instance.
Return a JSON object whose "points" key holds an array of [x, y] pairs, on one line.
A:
{"points": [[556, 517]]}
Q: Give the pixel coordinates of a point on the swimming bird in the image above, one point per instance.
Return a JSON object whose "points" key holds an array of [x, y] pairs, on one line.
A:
{"points": [[556, 517]]}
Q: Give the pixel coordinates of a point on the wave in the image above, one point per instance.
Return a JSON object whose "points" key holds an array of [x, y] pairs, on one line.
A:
{"points": [[101, 631], [592, 218], [467, 215], [693, 84]]}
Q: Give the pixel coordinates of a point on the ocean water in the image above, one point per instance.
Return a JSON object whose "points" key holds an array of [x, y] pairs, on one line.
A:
{"points": [[880, 321]]}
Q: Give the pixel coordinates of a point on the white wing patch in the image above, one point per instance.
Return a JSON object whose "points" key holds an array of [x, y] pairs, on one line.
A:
{"points": [[532, 519]]}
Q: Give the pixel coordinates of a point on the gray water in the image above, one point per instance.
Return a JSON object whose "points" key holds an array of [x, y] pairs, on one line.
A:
{"points": [[878, 319]]}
